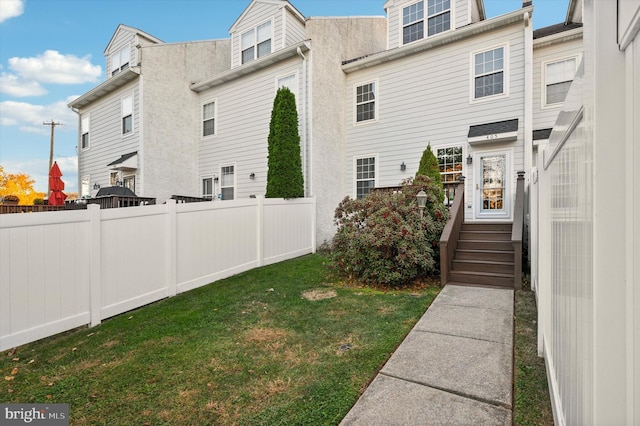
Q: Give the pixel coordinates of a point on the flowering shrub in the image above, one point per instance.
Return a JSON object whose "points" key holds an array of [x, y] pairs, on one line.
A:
{"points": [[381, 238]]}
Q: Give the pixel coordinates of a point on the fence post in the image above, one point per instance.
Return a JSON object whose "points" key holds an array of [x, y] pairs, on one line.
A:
{"points": [[260, 229], [172, 266], [95, 264], [313, 224]]}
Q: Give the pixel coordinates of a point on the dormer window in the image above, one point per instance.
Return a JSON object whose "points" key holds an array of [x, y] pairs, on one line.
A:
{"points": [[120, 60], [413, 17], [438, 16], [256, 42], [413, 22]]}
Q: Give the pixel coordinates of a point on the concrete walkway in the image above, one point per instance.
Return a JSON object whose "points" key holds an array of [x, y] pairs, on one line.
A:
{"points": [[455, 367]]}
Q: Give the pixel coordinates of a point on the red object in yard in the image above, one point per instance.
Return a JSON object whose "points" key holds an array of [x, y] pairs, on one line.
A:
{"points": [[56, 185]]}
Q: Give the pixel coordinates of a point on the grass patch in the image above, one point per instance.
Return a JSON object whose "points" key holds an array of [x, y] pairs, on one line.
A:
{"points": [[532, 402], [250, 349]]}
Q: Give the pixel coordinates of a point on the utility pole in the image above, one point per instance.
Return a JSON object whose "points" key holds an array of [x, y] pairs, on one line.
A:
{"points": [[53, 124]]}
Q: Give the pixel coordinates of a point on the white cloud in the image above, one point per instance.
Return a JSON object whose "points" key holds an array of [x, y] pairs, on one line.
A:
{"points": [[10, 9], [53, 67], [31, 116], [14, 86], [37, 169]]}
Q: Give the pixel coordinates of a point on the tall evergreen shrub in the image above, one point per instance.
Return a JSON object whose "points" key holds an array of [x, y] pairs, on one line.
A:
{"points": [[429, 167], [284, 177]]}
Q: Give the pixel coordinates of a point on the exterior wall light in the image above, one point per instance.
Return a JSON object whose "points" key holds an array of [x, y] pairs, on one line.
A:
{"points": [[469, 159], [421, 199], [252, 176], [96, 186], [403, 166]]}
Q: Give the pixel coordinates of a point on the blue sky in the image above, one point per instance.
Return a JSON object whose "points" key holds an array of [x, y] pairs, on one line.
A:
{"points": [[51, 51]]}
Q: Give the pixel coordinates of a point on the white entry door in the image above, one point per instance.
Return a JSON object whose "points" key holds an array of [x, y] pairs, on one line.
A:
{"points": [[492, 188]]}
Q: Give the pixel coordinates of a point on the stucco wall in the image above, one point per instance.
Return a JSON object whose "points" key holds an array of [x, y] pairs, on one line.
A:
{"points": [[334, 40], [171, 114]]}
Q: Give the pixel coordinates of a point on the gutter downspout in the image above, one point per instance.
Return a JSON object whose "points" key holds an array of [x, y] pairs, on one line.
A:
{"points": [[305, 148], [141, 124], [528, 93], [78, 150], [528, 120]]}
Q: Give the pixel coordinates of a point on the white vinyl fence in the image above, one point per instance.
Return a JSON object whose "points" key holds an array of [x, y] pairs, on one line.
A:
{"points": [[61, 270]]}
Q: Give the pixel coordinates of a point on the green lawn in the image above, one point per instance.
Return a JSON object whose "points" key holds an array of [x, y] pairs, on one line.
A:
{"points": [[246, 350], [532, 403]]}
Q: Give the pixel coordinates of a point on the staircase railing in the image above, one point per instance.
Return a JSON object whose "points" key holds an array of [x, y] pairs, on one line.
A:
{"points": [[451, 233], [517, 231]]}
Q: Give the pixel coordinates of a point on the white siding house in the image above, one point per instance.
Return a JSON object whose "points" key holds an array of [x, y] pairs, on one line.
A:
{"points": [[428, 93], [138, 123]]}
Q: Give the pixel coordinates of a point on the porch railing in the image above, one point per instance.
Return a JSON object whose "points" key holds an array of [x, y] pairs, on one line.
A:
{"points": [[450, 189], [188, 199], [116, 201], [451, 232], [8, 208]]}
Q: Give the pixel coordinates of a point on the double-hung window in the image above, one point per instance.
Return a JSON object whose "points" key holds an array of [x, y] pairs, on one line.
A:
{"points": [[209, 119], [489, 73], [120, 60], [84, 139], [558, 76], [413, 22], [366, 102], [438, 19], [450, 163], [127, 115], [365, 175], [438, 16], [227, 182], [256, 42]]}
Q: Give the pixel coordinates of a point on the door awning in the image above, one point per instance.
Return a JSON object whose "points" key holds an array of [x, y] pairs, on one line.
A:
{"points": [[125, 162], [499, 131]]}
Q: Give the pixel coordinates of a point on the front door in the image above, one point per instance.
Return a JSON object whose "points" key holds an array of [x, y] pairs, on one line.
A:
{"points": [[492, 185]]}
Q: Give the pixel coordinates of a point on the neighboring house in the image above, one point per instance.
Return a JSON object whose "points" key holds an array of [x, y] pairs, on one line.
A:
{"points": [[588, 189], [557, 52], [372, 93], [138, 128], [458, 86]]}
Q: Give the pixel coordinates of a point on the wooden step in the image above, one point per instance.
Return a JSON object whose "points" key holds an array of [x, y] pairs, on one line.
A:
{"points": [[490, 255], [483, 226], [482, 266], [485, 245], [485, 235], [501, 280]]}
